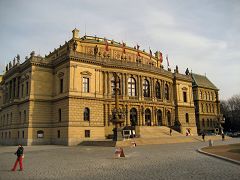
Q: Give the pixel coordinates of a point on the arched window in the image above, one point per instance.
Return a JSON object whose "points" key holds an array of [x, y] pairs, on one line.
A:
{"points": [[166, 92], [212, 96], [201, 95], [202, 108], [210, 108], [146, 88], [206, 95], [209, 96], [203, 122], [208, 123], [86, 114], [113, 85], [159, 117], [187, 117], [213, 108], [40, 134], [133, 117], [206, 108], [131, 87], [158, 90], [148, 117]]}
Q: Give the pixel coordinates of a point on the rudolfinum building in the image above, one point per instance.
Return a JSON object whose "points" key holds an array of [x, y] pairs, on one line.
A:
{"points": [[67, 96]]}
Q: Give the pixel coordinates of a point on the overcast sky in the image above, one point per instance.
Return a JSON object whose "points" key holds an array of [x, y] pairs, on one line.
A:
{"points": [[203, 36]]}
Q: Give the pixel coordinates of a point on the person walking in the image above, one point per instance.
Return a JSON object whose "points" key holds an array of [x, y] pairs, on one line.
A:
{"points": [[19, 159], [223, 136], [203, 136], [170, 132]]}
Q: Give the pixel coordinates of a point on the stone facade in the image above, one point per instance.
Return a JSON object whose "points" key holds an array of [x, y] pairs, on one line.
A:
{"points": [[67, 96], [206, 99]]}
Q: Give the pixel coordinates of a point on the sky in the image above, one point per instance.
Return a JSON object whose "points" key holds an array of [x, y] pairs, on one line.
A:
{"points": [[200, 35]]}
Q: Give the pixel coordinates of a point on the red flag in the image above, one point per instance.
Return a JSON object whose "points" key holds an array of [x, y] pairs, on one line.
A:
{"points": [[167, 60], [106, 45], [160, 57]]}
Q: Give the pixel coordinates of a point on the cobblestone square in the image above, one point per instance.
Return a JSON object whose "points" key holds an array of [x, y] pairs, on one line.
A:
{"points": [[169, 161]]}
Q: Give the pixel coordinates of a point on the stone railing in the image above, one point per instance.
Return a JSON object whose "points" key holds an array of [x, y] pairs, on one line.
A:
{"points": [[118, 63]]}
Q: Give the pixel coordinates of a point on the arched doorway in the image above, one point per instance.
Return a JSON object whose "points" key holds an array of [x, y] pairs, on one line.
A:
{"points": [[159, 117], [148, 117], [133, 117], [169, 118]]}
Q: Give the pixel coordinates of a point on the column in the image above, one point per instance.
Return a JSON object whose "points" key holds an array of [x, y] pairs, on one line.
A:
{"points": [[109, 112], [123, 92], [126, 85], [137, 86], [108, 86], [140, 89]]}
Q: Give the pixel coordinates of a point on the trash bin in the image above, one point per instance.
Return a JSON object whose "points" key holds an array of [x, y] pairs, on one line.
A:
{"points": [[210, 143]]}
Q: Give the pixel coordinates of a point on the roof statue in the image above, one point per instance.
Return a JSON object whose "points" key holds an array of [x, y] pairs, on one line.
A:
{"points": [[95, 50]]}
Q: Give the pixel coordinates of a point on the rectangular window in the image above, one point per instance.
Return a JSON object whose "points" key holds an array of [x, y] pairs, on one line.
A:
{"points": [[61, 85], [11, 118], [185, 96], [85, 84], [26, 88], [25, 116], [20, 117], [23, 134], [7, 119], [22, 89], [87, 133], [58, 134], [59, 115]]}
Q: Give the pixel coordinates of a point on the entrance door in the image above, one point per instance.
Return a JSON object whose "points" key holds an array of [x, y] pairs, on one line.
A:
{"points": [[133, 117], [148, 117], [159, 117]]}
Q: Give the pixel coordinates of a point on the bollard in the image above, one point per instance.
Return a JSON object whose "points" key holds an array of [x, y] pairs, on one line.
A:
{"points": [[210, 143]]}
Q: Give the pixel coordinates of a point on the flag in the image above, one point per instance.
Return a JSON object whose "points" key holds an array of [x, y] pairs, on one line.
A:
{"points": [[160, 57], [123, 47], [106, 45], [150, 53], [167, 60]]}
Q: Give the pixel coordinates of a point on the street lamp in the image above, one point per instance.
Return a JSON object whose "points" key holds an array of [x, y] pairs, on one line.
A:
{"points": [[118, 115]]}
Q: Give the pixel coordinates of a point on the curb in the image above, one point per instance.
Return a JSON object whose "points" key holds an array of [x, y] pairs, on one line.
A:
{"points": [[219, 157]]}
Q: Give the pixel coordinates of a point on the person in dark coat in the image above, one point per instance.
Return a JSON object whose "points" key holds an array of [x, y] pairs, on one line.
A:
{"points": [[223, 136], [20, 156], [203, 136]]}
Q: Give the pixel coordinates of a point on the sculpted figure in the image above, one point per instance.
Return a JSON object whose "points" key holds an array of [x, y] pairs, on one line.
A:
{"points": [[95, 50]]}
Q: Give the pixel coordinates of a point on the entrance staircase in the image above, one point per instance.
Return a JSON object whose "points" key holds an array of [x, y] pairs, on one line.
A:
{"points": [[156, 132]]}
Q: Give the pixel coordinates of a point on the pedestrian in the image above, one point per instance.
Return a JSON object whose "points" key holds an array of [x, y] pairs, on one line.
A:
{"points": [[223, 136], [203, 136], [170, 132], [20, 157]]}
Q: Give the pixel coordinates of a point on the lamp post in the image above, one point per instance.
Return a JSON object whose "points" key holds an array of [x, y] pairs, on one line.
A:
{"points": [[118, 116]]}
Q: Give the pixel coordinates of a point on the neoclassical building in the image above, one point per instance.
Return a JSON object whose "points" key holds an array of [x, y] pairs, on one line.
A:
{"points": [[206, 99], [67, 96]]}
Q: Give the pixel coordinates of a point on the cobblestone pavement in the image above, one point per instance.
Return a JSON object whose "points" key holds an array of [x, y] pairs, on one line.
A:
{"points": [[169, 161]]}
